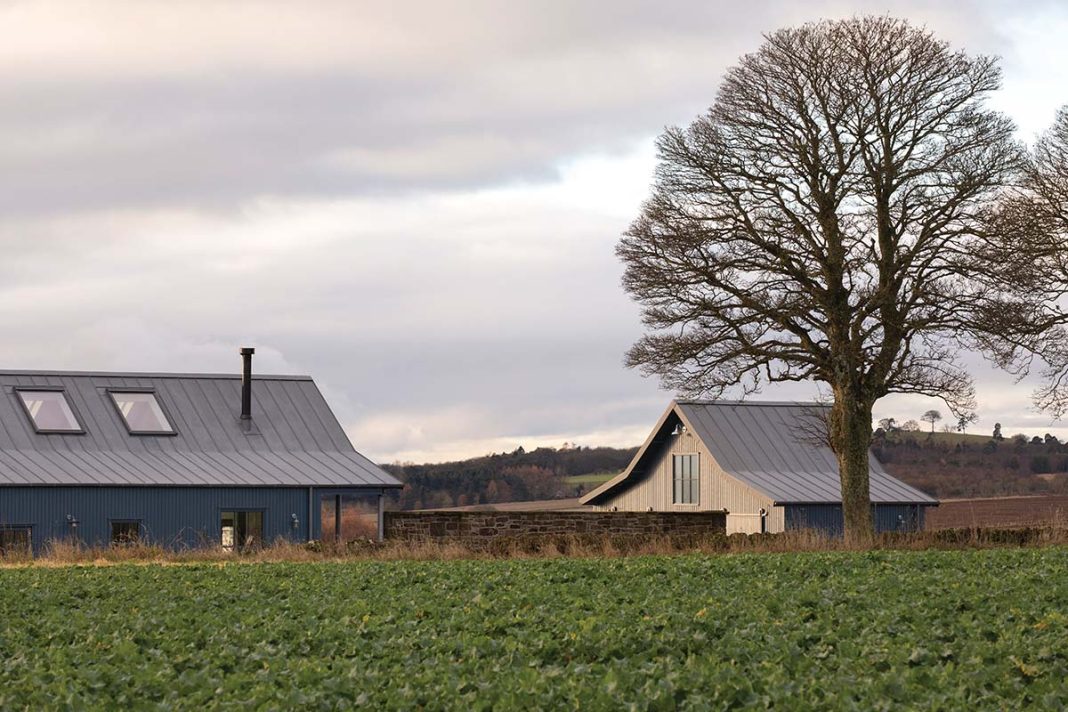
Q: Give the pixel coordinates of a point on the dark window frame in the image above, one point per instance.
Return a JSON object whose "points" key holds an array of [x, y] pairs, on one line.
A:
{"points": [[49, 389], [237, 546], [28, 528], [686, 487], [140, 531], [159, 401]]}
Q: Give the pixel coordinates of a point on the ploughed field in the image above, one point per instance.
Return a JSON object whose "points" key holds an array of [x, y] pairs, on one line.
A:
{"points": [[893, 629], [1000, 512]]}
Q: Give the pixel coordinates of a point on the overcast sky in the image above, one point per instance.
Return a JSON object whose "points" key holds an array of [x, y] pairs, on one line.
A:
{"points": [[416, 203]]}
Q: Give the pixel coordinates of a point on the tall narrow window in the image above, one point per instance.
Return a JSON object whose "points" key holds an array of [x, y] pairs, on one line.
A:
{"points": [[241, 530], [49, 411], [686, 479], [142, 413]]}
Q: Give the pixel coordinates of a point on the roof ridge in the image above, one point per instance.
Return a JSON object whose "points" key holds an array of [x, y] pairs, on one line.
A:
{"points": [[696, 401], [151, 374]]}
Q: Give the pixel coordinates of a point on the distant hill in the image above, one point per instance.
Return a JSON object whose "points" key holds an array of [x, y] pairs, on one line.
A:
{"points": [[545, 473]]}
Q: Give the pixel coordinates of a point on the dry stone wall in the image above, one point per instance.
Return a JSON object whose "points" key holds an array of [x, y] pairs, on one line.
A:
{"points": [[482, 526]]}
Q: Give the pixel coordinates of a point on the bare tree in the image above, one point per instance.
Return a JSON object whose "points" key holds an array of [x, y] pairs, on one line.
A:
{"points": [[964, 420], [932, 416], [1034, 244], [811, 425], [818, 223]]}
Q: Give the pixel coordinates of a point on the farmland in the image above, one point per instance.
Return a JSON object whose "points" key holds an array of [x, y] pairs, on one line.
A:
{"points": [[1001, 512], [594, 478], [875, 630]]}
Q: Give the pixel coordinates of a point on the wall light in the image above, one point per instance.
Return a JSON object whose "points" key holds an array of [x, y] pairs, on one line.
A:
{"points": [[294, 521], [72, 521]]}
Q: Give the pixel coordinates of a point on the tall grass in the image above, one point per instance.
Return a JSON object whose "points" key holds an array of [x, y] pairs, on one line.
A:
{"points": [[66, 553]]}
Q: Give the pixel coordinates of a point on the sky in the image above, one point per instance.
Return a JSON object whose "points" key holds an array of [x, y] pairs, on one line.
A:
{"points": [[415, 203]]}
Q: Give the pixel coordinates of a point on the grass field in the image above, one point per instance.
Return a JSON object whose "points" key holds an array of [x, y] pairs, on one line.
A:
{"points": [[594, 478], [879, 630]]}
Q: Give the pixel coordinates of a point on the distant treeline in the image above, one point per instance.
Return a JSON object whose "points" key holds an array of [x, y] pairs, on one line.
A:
{"points": [[973, 466], [505, 477]]}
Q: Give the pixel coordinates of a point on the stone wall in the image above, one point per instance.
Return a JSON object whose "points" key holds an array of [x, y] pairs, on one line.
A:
{"points": [[484, 526]]}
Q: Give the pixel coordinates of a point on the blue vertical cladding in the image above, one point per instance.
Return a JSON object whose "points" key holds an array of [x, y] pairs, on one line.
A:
{"points": [[174, 517], [827, 518]]}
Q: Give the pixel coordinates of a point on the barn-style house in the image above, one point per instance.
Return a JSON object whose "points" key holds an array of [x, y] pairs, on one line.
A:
{"points": [[765, 463], [174, 459]]}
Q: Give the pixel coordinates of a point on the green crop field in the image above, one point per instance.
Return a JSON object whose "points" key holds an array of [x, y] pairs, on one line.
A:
{"points": [[594, 478], [930, 630]]}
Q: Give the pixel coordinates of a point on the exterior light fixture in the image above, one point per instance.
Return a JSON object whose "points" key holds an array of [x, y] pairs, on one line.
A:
{"points": [[294, 521], [72, 521], [679, 429]]}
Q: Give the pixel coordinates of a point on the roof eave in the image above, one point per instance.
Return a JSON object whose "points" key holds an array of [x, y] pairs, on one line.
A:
{"points": [[622, 477], [895, 503], [163, 485]]}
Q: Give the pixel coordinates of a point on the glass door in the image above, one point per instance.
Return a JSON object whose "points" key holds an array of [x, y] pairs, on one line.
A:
{"points": [[241, 529]]}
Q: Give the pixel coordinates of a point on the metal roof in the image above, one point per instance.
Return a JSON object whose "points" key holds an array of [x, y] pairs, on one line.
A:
{"points": [[775, 448], [293, 439]]}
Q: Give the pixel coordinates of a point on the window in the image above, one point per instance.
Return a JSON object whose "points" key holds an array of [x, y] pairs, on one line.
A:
{"points": [[14, 541], [686, 479], [125, 531], [49, 411], [242, 530], [142, 413]]}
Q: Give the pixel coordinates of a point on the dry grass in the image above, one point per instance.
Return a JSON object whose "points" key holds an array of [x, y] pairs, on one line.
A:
{"points": [[60, 553]]}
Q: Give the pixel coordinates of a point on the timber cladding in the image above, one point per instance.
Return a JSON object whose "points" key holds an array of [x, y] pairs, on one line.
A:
{"points": [[480, 526]]}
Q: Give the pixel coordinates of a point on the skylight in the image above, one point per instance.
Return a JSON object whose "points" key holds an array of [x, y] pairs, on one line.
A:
{"points": [[142, 413], [50, 411]]}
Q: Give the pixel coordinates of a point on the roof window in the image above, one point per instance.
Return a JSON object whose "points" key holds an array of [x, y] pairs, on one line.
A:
{"points": [[49, 411], [142, 413]]}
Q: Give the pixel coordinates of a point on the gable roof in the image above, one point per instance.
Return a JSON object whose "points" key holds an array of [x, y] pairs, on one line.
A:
{"points": [[772, 447], [292, 440]]}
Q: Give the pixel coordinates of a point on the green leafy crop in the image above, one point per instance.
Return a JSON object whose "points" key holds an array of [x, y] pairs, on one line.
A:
{"points": [[869, 631]]}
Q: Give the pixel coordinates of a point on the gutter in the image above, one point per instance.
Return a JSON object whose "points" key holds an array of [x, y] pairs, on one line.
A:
{"points": [[824, 502]]}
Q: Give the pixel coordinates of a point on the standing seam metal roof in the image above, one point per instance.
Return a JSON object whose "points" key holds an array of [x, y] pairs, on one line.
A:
{"points": [[774, 448], [294, 439]]}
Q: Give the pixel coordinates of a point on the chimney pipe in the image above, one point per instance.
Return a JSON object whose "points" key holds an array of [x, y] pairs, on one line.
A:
{"points": [[246, 382]]}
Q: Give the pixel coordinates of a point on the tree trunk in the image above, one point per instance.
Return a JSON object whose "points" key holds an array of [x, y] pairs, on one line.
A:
{"points": [[850, 435]]}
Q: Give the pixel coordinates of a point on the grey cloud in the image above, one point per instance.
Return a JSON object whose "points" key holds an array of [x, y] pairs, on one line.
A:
{"points": [[475, 99], [382, 198]]}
